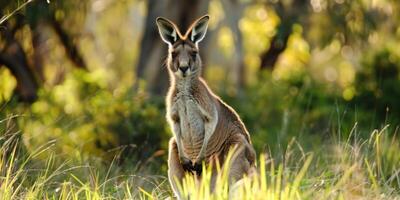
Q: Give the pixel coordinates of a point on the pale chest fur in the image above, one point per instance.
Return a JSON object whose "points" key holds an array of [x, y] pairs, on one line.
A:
{"points": [[190, 121]]}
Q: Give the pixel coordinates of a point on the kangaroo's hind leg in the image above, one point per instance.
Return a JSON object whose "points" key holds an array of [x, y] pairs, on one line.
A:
{"points": [[175, 168], [243, 159]]}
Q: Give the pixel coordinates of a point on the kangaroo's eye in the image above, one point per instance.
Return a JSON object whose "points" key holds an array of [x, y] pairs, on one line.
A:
{"points": [[174, 54], [194, 55]]}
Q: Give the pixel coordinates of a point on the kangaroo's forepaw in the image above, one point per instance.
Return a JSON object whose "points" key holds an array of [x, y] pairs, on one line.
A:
{"points": [[186, 164], [197, 167]]}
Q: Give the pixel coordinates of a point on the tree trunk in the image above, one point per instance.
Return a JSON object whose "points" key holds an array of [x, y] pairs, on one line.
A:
{"points": [[38, 44], [234, 10], [14, 58]]}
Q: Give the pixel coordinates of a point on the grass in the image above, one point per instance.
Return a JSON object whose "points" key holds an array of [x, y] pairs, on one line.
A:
{"points": [[20, 7], [353, 169], [350, 168]]}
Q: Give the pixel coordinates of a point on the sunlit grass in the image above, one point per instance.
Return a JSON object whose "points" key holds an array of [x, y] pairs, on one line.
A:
{"points": [[351, 168], [11, 13], [354, 172], [24, 176]]}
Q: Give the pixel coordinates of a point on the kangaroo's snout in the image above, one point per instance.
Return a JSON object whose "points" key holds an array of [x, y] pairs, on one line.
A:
{"points": [[183, 63], [184, 69]]}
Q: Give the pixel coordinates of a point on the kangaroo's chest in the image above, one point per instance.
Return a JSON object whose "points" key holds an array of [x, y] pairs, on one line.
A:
{"points": [[191, 124], [190, 118]]}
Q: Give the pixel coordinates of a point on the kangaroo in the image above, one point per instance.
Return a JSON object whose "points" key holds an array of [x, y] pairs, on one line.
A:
{"points": [[204, 127]]}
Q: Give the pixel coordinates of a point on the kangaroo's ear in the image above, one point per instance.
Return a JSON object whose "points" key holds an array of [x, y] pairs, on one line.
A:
{"points": [[167, 30], [198, 30]]}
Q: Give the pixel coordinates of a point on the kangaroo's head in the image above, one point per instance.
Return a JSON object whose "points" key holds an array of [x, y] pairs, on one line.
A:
{"points": [[183, 52]]}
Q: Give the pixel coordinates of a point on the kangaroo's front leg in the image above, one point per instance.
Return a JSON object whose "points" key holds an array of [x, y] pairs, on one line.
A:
{"points": [[210, 123], [176, 127], [185, 161]]}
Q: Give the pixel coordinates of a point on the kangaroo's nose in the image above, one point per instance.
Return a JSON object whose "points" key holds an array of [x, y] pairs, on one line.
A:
{"points": [[184, 69]]}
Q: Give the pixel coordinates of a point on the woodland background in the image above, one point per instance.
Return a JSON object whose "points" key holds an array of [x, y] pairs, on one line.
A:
{"points": [[87, 79]]}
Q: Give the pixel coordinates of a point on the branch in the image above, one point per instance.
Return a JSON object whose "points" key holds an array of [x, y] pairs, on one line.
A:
{"points": [[289, 15], [70, 47], [278, 45], [5, 17], [14, 58]]}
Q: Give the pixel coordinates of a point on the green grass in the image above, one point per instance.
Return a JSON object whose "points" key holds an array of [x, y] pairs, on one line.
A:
{"points": [[350, 168]]}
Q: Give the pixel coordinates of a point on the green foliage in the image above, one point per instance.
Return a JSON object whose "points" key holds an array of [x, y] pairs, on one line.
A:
{"points": [[274, 111], [377, 84], [85, 118]]}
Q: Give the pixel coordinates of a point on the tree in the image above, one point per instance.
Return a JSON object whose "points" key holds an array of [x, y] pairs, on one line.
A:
{"points": [[234, 9], [12, 55], [289, 14]]}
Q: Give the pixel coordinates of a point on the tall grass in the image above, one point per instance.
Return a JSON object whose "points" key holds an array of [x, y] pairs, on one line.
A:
{"points": [[13, 12], [24, 176], [351, 168]]}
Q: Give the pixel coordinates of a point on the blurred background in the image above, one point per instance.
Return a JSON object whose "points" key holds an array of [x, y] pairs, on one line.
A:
{"points": [[89, 77]]}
